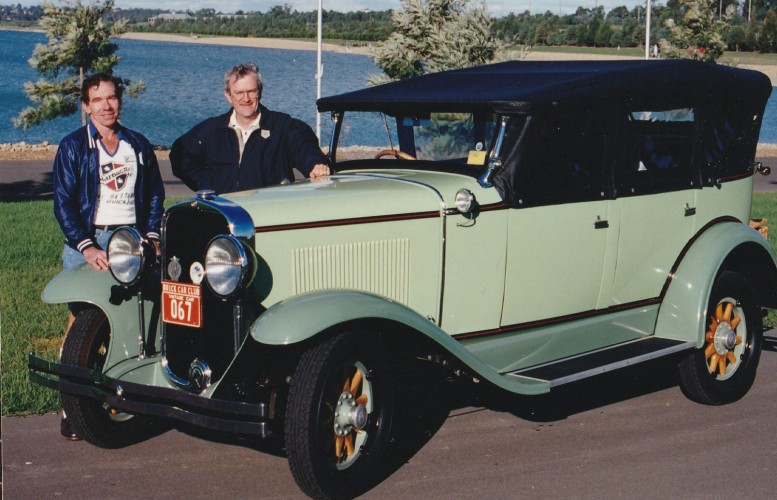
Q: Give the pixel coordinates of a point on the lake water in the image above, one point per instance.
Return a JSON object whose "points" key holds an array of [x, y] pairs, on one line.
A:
{"points": [[184, 86]]}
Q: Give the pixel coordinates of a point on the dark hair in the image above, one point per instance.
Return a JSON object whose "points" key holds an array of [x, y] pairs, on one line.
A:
{"points": [[95, 79], [241, 70]]}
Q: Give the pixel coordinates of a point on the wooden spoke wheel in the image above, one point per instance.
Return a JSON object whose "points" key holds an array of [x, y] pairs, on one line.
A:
{"points": [[723, 369], [338, 416]]}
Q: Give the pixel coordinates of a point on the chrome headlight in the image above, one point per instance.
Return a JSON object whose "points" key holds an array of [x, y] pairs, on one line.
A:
{"points": [[226, 263], [465, 200], [126, 256]]}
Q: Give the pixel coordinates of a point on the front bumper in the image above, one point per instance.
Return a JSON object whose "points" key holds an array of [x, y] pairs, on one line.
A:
{"points": [[140, 399]]}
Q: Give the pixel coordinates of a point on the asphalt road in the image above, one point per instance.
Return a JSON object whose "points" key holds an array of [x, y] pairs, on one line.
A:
{"points": [[31, 179], [628, 434]]}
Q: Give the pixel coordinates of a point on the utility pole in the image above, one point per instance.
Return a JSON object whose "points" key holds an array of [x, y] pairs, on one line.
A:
{"points": [[647, 30], [319, 71]]}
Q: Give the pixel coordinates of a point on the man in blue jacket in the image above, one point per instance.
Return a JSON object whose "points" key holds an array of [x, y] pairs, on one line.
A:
{"points": [[247, 147], [105, 176]]}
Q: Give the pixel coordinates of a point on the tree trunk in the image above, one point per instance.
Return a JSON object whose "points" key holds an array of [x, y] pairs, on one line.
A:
{"points": [[80, 83]]}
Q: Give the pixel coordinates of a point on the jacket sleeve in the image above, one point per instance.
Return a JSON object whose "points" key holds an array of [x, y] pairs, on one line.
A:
{"points": [[154, 192], [187, 157], [66, 197], [302, 147]]}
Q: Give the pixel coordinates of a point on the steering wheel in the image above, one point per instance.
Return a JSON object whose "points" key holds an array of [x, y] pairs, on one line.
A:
{"points": [[395, 153]]}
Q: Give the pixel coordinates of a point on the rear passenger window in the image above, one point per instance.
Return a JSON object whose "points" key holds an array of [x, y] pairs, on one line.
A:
{"points": [[729, 138], [658, 151], [554, 158]]}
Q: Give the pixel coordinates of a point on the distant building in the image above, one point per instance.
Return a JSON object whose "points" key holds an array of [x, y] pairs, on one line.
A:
{"points": [[170, 16]]}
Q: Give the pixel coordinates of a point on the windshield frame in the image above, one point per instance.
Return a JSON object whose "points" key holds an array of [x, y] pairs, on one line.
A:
{"points": [[481, 128]]}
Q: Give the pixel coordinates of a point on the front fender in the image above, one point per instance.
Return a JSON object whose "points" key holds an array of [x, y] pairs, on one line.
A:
{"points": [[683, 311], [80, 284], [302, 317], [99, 288]]}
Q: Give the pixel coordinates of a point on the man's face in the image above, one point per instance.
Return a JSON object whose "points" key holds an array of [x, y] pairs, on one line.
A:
{"points": [[244, 96], [103, 106]]}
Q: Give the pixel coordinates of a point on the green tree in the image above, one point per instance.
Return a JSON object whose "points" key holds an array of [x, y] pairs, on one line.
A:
{"points": [[699, 32], [435, 35], [78, 43], [767, 41], [603, 33]]}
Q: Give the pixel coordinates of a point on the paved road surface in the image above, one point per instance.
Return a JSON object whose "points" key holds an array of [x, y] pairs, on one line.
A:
{"points": [[629, 434], [31, 179]]}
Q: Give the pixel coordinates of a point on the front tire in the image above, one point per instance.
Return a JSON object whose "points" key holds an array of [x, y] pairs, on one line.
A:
{"points": [[86, 345], [339, 416], [723, 369]]}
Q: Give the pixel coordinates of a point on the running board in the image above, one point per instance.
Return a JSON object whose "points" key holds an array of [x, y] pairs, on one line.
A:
{"points": [[601, 361]]}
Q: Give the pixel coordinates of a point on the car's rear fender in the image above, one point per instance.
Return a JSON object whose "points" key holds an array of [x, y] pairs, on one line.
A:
{"points": [[301, 318], [722, 246]]}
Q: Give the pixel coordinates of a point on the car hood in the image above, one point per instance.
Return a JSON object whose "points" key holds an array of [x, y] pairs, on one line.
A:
{"points": [[357, 195]]}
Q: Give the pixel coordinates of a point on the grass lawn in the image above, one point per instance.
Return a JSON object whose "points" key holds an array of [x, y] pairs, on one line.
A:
{"points": [[30, 257]]}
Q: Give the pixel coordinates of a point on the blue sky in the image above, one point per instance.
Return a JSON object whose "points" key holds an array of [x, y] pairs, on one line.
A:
{"points": [[495, 7]]}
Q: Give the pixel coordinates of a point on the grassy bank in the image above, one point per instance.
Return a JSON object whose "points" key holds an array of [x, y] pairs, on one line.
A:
{"points": [[30, 257]]}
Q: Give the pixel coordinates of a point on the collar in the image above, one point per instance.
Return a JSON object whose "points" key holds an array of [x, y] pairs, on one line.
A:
{"points": [[94, 135], [234, 124]]}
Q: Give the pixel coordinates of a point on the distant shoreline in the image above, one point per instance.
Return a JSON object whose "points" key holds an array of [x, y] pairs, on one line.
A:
{"points": [[263, 43], [45, 151], [234, 41]]}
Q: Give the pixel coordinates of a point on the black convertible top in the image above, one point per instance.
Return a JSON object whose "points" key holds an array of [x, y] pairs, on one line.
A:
{"points": [[519, 86]]}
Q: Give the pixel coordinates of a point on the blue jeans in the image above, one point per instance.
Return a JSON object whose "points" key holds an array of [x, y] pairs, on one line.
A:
{"points": [[73, 258]]}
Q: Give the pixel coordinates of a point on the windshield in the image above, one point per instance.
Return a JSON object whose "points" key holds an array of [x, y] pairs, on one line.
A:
{"points": [[456, 139]]}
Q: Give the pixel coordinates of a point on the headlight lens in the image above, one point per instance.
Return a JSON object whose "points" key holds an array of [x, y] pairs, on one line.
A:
{"points": [[465, 200], [125, 255], [225, 265]]}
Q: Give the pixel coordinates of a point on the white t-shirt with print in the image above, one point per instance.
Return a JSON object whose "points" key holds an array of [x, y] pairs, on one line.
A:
{"points": [[118, 173]]}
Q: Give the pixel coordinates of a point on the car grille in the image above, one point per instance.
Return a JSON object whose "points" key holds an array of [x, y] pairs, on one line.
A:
{"points": [[186, 234]]}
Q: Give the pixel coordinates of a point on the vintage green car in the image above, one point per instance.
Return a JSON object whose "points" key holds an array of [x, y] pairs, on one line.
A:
{"points": [[518, 225]]}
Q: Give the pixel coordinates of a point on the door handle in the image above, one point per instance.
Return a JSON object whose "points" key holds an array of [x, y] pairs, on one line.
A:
{"points": [[600, 223], [689, 210]]}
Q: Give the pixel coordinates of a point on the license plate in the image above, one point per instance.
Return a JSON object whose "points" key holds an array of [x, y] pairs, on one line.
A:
{"points": [[182, 304]]}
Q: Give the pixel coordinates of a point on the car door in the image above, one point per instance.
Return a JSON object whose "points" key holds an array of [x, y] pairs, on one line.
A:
{"points": [[657, 186], [559, 231], [556, 258]]}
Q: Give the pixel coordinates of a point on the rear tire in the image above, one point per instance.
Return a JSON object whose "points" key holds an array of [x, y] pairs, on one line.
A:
{"points": [[86, 345], [723, 370]]}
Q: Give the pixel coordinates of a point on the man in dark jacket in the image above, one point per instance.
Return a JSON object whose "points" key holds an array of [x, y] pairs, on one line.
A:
{"points": [[247, 147], [105, 176]]}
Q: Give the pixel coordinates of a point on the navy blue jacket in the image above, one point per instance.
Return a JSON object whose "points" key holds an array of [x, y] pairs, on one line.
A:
{"points": [[76, 175], [206, 157]]}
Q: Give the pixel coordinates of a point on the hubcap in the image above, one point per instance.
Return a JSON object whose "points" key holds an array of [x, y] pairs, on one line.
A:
{"points": [[351, 413], [723, 345]]}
